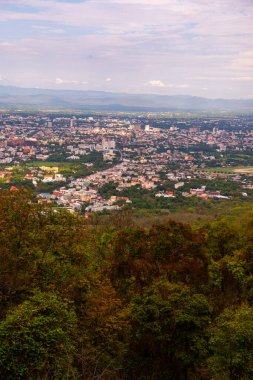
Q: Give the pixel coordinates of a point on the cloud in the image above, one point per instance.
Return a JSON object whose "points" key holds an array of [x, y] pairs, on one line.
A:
{"points": [[48, 29], [186, 43], [60, 81], [57, 31], [243, 61], [156, 83], [6, 44], [108, 79], [244, 78], [4, 80], [159, 83], [183, 86]]}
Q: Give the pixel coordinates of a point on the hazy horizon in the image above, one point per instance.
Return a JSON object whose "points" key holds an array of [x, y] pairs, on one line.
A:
{"points": [[165, 47], [119, 92]]}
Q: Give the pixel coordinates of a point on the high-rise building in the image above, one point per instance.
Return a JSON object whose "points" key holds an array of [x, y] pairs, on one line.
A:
{"points": [[108, 144]]}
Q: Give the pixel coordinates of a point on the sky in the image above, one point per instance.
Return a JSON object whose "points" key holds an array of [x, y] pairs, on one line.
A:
{"points": [[173, 47]]}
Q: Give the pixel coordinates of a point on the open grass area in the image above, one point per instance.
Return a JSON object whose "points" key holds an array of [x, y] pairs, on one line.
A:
{"points": [[219, 170], [49, 164], [231, 170], [244, 170]]}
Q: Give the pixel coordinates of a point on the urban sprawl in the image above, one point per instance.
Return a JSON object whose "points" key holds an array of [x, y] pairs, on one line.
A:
{"points": [[105, 162]]}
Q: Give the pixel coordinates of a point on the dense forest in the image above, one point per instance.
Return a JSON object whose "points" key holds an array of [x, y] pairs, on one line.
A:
{"points": [[82, 300]]}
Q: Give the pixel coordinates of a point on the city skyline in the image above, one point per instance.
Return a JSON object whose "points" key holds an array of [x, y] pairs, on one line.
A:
{"points": [[167, 47]]}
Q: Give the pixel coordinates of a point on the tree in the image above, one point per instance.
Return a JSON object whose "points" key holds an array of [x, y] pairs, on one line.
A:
{"points": [[169, 331], [231, 343], [171, 250], [104, 329], [179, 253], [223, 238], [37, 339], [41, 248]]}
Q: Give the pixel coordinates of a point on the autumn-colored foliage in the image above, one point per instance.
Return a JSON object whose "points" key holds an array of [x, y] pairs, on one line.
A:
{"points": [[82, 300]]}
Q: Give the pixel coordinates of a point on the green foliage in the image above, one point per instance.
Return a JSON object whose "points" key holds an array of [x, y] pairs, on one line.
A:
{"points": [[111, 300], [108, 190], [224, 237], [215, 274], [37, 339], [231, 343], [168, 330]]}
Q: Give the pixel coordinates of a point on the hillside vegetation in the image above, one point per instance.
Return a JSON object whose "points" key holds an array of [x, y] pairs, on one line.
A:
{"points": [[79, 300]]}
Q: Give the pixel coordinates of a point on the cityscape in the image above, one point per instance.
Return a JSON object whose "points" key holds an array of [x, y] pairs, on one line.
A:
{"points": [[126, 190], [108, 162]]}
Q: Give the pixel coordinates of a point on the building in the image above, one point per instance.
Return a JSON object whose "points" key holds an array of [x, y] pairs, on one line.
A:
{"points": [[108, 144]]}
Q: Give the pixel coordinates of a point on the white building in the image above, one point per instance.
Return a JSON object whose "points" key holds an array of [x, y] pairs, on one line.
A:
{"points": [[108, 144]]}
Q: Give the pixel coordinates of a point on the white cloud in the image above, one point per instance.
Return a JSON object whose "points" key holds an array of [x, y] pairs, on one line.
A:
{"points": [[243, 61], [187, 43], [159, 83], [48, 29], [156, 83], [61, 81], [108, 79], [6, 44], [244, 78], [183, 86], [4, 80], [57, 31]]}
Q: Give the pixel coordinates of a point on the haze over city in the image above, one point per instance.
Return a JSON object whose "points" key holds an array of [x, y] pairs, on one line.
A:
{"points": [[137, 46]]}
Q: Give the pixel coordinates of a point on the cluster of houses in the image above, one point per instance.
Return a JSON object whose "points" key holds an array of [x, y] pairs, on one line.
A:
{"points": [[84, 192], [135, 153]]}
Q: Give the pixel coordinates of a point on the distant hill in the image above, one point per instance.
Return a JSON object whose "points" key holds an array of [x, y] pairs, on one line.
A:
{"points": [[11, 96]]}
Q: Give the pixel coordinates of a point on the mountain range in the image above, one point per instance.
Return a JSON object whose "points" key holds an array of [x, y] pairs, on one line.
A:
{"points": [[17, 97]]}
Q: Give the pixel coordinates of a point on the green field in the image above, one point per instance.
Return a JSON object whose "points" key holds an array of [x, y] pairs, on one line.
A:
{"points": [[49, 164], [231, 170], [244, 170]]}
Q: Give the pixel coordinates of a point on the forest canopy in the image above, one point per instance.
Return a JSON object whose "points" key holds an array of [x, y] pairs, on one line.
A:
{"points": [[81, 300]]}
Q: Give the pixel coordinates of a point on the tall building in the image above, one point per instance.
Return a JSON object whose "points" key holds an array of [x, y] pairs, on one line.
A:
{"points": [[108, 144]]}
